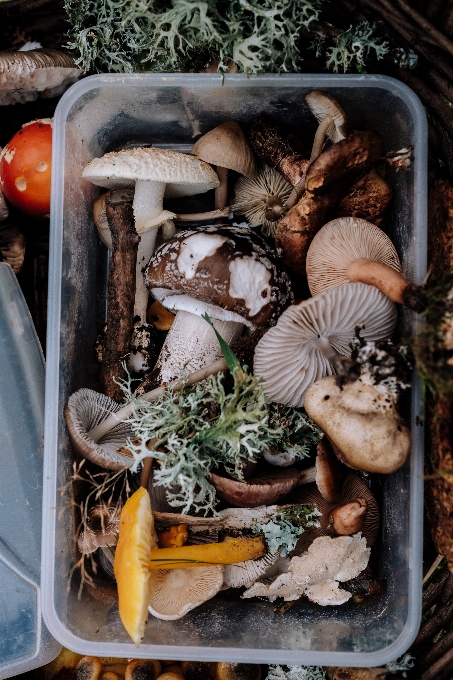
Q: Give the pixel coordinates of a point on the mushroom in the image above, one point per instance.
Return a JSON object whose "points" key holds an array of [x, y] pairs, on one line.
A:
{"points": [[361, 422], [12, 246], [196, 670], [308, 338], [226, 670], [267, 194], [26, 74], [227, 148], [101, 529], [226, 272], [25, 168], [177, 591], [159, 317], [368, 198], [328, 177], [270, 147], [88, 668], [332, 123], [350, 249], [143, 669]]}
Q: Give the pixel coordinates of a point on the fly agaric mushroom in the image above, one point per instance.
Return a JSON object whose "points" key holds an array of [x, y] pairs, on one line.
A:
{"points": [[362, 424], [332, 123], [227, 148], [309, 337], [26, 74], [328, 177], [226, 272], [350, 249], [25, 168], [178, 591], [267, 194]]}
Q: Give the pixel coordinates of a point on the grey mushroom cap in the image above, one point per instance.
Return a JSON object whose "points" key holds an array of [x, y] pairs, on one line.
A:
{"points": [[86, 409], [322, 105], [228, 147], [25, 74], [226, 267], [294, 354]]}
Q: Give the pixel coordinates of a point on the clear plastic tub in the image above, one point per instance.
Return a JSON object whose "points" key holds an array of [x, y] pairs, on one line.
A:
{"points": [[102, 113], [25, 642]]}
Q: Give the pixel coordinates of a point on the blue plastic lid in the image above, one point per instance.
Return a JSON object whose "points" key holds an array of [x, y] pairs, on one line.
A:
{"points": [[25, 642]]}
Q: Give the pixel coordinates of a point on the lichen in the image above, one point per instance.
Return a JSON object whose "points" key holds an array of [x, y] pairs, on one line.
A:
{"points": [[282, 531], [178, 35], [354, 47], [276, 672], [401, 665]]}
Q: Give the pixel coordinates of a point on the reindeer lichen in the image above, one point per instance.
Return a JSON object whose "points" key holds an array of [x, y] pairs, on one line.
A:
{"points": [[276, 672], [354, 47]]}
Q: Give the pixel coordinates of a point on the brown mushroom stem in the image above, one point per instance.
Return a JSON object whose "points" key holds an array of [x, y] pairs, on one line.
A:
{"points": [[390, 282], [145, 473], [320, 136], [274, 209], [221, 192], [348, 519], [123, 414], [121, 293]]}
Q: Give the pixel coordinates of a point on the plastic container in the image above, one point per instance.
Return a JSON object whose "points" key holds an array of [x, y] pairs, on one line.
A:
{"points": [[102, 113], [25, 642]]}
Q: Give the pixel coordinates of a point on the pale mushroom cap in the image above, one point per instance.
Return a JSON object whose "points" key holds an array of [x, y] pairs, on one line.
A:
{"points": [[331, 559], [288, 356], [228, 147], [86, 409], [321, 105], [246, 573], [177, 591], [24, 74], [268, 183], [187, 174], [340, 243]]}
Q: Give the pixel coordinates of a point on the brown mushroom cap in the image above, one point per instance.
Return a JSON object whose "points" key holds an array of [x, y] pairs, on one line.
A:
{"points": [[330, 473], [88, 668], [267, 195], [237, 671], [340, 243], [264, 489], [228, 147], [142, 669], [196, 670], [226, 267], [368, 198]]}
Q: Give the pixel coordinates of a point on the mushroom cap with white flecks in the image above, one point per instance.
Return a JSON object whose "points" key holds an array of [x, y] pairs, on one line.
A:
{"points": [[321, 105], [176, 591], [229, 268], [228, 147], [187, 175], [288, 357], [340, 243]]}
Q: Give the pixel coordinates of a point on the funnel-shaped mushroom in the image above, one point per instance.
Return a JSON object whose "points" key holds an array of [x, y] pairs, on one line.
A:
{"points": [[267, 195], [350, 249], [177, 591], [362, 423], [229, 273], [226, 147], [304, 344]]}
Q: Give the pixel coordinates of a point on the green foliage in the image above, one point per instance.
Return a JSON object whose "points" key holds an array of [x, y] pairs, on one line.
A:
{"points": [[282, 531], [261, 36], [354, 46], [296, 673]]}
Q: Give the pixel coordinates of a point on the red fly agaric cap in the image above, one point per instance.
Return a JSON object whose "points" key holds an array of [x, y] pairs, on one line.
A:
{"points": [[229, 268], [25, 168]]}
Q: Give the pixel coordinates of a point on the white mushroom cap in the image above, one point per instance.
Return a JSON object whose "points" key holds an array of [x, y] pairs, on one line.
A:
{"points": [[86, 409], [293, 355], [246, 573], [24, 74], [322, 105], [340, 243], [177, 591], [331, 559], [267, 190]]}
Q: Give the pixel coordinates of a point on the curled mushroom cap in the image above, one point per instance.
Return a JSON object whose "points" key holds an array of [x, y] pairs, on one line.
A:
{"points": [[342, 242], [177, 591], [362, 423], [331, 117], [300, 349], [24, 74], [86, 409]]}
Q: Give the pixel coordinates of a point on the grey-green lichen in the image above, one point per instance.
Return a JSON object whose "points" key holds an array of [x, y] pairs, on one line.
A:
{"points": [[181, 35], [276, 672], [282, 531], [354, 47]]}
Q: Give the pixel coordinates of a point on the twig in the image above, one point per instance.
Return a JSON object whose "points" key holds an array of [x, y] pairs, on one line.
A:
{"points": [[433, 590], [444, 86], [427, 26], [433, 568], [438, 620], [442, 669]]}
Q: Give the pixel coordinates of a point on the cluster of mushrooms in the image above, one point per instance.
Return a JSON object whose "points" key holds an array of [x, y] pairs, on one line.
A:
{"points": [[319, 214]]}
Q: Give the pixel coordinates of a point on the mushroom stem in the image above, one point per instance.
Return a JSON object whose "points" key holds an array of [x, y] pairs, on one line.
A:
{"points": [[221, 193], [144, 253], [148, 199], [145, 474], [348, 519], [390, 282], [340, 363], [124, 413]]}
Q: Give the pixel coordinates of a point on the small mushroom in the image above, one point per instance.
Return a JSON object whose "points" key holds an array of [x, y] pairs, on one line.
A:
{"points": [[361, 422], [196, 670], [88, 668], [160, 317], [237, 671], [178, 591], [12, 246], [267, 194], [26, 74], [227, 148], [350, 249], [101, 529], [309, 337], [143, 669], [229, 273]]}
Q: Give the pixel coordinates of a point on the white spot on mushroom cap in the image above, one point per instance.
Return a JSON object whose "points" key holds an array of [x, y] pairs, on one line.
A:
{"points": [[249, 281], [41, 166], [196, 248], [8, 154], [21, 183]]}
